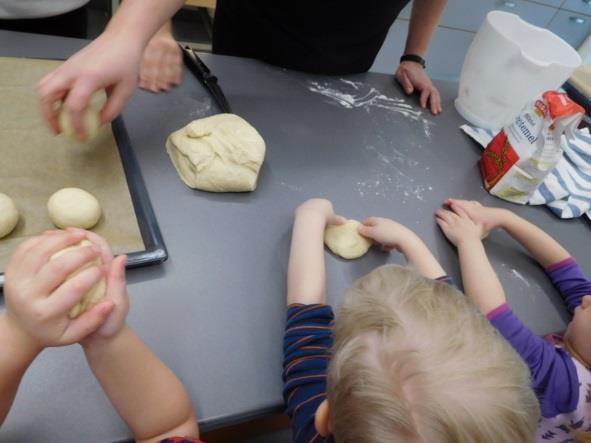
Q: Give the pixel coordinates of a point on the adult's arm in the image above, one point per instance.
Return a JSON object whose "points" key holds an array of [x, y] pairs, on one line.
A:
{"points": [[110, 62], [424, 18]]}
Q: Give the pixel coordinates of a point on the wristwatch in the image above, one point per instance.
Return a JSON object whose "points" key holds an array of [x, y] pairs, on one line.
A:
{"points": [[413, 58]]}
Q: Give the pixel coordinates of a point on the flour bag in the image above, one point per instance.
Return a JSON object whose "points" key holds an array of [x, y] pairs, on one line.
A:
{"points": [[520, 157]]}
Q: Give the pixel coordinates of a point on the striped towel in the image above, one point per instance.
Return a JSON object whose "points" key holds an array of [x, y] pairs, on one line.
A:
{"points": [[567, 189]]}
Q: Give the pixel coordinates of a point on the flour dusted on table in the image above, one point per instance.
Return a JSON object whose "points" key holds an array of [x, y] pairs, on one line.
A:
{"points": [[524, 152]]}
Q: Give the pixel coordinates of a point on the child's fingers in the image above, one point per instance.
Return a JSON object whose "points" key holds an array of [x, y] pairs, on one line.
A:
{"points": [[22, 250], [337, 220], [366, 231], [55, 271], [88, 322], [459, 210], [441, 223], [370, 221], [49, 245], [72, 291], [446, 215], [116, 288], [106, 253], [116, 293]]}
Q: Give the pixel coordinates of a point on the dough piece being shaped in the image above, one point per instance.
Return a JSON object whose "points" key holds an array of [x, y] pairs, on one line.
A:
{"points": [[96, 294], [345, 241], [91, 119], [8, 215], [221, 153], [73, 208]]}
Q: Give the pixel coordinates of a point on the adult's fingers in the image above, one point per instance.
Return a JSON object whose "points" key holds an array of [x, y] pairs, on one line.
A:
{"points": [[173, 65], [51, 90], [424, 97], [76, 103], [120, 95], [435, 101], [56, 271], [405, 82], [87, 323]]}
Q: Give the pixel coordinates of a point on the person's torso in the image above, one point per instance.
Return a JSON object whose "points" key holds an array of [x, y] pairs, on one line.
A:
{"points": [[326, 36], [22, 9], [564, 426]]}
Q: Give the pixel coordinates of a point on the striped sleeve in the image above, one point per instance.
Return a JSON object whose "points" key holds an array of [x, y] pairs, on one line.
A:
{"points": [[308, 338]]}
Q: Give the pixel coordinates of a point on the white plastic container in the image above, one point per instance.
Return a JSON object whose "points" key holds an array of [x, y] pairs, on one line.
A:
{"points": [[508, 63]]}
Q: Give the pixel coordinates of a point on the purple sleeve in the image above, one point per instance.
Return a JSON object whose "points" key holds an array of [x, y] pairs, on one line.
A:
{"points": [[554, 376], [569, 279]]}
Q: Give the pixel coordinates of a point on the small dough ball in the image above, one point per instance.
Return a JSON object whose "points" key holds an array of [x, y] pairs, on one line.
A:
{"points": [[8, 215], [91, 119], [96, 294], [344, 240], [221, 153], [74, 208]]}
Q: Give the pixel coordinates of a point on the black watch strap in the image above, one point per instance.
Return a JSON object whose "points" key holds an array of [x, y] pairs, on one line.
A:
{"points": [[413, 58]]}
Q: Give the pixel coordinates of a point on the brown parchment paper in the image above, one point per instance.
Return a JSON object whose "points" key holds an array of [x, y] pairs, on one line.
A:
{"points": [[34, 164]]}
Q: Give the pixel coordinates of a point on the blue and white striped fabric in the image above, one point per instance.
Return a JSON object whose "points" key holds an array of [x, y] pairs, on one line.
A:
{"points": [[567, 189]]}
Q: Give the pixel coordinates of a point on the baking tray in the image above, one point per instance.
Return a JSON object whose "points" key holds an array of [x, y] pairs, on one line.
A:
{"points": [[154, 249]]}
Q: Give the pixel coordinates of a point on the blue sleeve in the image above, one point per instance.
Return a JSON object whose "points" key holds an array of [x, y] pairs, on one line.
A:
{"points": [[570, 280], [553, 372], [308, 338]]}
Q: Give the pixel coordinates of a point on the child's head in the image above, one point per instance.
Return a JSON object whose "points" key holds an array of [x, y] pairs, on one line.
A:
{"points": [[414, 361]]}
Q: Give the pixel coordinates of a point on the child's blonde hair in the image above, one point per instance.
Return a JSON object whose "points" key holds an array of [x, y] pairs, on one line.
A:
{"points": [[414, 361]]}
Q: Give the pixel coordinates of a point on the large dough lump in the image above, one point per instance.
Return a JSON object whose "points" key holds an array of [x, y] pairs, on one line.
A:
{"points": [[74, 208], [96, 294], [344, 240], [221, 153], [8, 215]]}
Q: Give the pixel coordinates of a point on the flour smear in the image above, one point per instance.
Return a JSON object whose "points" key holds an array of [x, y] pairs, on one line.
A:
{"points": [[357, 95]]}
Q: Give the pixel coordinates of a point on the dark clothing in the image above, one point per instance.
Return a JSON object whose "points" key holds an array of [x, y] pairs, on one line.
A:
{"points": [[320, 36], [72, 24]]}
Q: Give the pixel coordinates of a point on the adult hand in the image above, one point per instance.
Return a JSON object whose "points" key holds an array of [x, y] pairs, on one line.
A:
{"points": [[110, 62], [413, 77], [386, 232], [39, 294], [161, 67]]}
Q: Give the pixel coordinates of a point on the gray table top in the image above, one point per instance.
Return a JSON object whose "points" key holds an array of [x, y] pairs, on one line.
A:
{"points": [[214, 312]]}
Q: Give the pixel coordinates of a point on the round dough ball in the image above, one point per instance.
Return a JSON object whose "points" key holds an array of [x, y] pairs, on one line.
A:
{"points": [[95, 294], [91, 119], [344, 240], [8, 215], [74, 208]]}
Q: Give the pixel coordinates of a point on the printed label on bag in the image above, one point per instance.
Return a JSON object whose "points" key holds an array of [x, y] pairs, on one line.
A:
{"points": [[497, 159]]}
